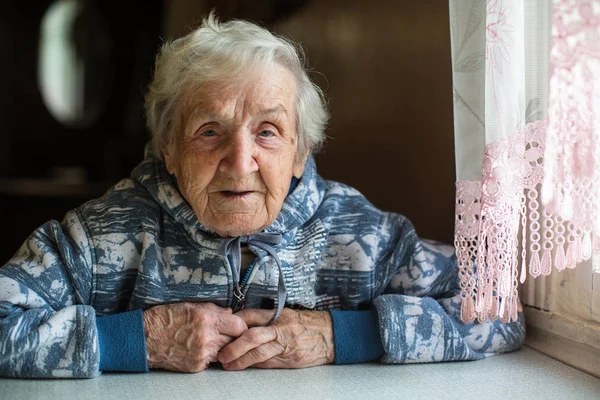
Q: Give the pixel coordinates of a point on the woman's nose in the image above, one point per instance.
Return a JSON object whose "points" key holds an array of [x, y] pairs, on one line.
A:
{"points": [[239, 159]]}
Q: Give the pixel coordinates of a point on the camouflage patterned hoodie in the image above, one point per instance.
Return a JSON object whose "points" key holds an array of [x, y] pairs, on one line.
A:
{"points": [[141, 245]]}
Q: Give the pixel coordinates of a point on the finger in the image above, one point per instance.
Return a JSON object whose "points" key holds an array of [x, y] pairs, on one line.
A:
{"points": [[249, 340], [230, 325], [215, 347], [255, 317], [210, 306], [279, 362], [257, 355], [272, 363], [224, 340], [208, 352]]}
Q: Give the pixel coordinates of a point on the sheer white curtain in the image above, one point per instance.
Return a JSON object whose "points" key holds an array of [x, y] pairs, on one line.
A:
{"points": [[527, 128]]}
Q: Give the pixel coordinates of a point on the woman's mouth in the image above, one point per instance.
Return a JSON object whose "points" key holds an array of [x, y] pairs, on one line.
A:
{"points": [[230, 194]]}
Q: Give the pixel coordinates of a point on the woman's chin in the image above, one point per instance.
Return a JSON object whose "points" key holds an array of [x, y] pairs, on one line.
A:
{"points": [[234, 226]]}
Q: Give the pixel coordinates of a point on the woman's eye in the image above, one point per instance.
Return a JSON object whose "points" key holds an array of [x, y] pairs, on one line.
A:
{"points": [[266, 133], [209, 132]]}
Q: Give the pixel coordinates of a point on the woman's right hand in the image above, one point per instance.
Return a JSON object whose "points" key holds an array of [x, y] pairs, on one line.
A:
{"points": [[187, 337]]}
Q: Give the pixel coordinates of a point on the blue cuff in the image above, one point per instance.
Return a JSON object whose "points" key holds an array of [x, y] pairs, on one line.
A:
{"points": [[356, 336], [122, 342]]}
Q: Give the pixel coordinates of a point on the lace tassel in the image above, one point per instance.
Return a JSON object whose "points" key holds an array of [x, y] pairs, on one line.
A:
{"points": [[523, 274], [484, 303], [485, 299], [578, 252], [467, 310], [559, 258], [570, 259], [508, 309], [546, 263], [504, 306], [586, 250], [534, 264], [514, 308], [504, 283], [494, 307]]}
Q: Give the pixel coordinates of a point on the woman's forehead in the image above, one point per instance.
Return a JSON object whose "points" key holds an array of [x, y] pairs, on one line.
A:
{"points": [[266, 94]]}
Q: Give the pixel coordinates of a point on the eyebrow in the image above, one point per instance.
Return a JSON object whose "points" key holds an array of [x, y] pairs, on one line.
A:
{"points": [[279, 109], [200, 111]]}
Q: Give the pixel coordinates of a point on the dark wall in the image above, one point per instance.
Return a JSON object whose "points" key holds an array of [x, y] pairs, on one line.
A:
{"points": [[47, 167], [7, 45], [125, 50], [386, 68]]}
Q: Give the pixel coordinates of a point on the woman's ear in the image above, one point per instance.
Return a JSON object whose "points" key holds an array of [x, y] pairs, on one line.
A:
{"points": [[169, 156], [299, 163]]}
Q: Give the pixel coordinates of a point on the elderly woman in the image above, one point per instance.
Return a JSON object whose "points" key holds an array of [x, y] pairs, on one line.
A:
{"points": [[225, 245]]}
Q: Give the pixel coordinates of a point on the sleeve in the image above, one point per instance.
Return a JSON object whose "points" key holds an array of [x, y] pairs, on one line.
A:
{"points": [[356, 336], [122, 342], [418, 304], [46, 330]]}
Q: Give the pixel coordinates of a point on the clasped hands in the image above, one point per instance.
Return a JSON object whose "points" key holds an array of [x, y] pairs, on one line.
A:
{"points": [[187, 337]]}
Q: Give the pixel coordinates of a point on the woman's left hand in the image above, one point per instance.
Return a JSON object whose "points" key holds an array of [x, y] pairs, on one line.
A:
{"points": [[297, 339]]}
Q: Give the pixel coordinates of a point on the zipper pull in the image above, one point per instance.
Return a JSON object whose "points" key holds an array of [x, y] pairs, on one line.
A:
{"points": [[239, 295]]}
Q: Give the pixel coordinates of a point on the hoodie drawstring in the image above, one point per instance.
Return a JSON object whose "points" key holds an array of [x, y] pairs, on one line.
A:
{"points": [[264, 241]]}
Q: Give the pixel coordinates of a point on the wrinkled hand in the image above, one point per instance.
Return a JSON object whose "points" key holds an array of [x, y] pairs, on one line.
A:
{"points": [[297, 339], [187, 337]]}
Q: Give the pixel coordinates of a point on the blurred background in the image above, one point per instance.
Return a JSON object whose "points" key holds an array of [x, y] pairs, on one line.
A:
{"points": [[74, 74]]}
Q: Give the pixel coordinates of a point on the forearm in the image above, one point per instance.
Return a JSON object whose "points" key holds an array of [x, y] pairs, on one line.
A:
{"points": [[415, 329], [40, 343], [44, 333]]}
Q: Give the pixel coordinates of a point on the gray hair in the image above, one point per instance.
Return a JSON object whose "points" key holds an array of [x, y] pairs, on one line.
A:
{"points": [[223, 50]]}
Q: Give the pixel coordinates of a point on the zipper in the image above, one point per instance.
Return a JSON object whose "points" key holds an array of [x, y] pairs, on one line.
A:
{"points": [[239, 291]]}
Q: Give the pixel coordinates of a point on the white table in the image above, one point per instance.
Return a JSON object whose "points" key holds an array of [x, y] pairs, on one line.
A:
{"points": [[525, 374]]}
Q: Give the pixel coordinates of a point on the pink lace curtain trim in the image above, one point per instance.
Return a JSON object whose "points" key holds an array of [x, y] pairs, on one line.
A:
{"points": [[504, 222]]}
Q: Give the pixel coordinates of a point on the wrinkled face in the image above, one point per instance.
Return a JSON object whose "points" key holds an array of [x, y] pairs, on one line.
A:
{"points": [[234, 152]]}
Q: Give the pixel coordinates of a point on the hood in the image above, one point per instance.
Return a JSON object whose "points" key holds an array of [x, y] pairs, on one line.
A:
{"points": [[299, 206]]}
